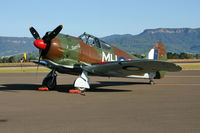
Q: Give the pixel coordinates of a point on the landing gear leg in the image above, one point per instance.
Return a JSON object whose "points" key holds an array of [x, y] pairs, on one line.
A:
{"points": [[50, 80], [82, 82], [151, 77], [151, 81]]}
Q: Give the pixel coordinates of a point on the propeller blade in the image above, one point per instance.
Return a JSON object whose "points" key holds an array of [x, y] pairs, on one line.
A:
{"points": [[34, 33], [53, 34], [40, 52]]}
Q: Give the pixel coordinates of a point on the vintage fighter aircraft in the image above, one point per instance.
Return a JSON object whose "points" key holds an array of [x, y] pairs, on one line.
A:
{"points": [[88, 55]]}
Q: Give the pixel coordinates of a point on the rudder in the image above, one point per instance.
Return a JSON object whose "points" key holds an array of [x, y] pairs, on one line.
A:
{"points": [[158, 52]]}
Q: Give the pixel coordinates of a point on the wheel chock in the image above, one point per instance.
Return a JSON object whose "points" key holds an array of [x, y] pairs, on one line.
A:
{"points": [[43, 89], [75, 91]]}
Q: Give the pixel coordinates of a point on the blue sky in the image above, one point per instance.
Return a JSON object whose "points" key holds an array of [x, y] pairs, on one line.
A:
{"points": [[97, 17]]}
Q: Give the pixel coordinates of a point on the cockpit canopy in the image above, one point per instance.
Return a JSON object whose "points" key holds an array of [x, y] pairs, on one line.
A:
{"points": [[94, 41]]}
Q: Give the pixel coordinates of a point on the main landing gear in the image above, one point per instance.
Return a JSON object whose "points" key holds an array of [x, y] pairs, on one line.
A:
{"points": [[50, 80], [82, 82]]}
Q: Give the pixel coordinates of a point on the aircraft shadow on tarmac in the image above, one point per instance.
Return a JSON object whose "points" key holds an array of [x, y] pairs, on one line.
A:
{"points": [[95, 87], [3, 120]]}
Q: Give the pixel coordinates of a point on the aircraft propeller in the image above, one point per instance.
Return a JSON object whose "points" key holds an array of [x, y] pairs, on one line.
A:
{"points": [[44, 43]]}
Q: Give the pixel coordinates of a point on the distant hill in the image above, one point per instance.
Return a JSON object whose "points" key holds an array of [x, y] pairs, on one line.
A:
{"points": [[15, 45], [176, 40]]}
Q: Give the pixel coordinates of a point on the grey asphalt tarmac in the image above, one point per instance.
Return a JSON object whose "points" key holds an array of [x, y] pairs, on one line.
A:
{"points": [[113, 105]]}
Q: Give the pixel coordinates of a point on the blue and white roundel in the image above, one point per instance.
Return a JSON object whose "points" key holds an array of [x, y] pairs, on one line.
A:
{"points": [[121, 59]]}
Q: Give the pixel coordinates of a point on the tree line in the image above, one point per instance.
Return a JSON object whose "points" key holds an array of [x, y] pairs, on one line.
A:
{"points": [[172, 55], [34, 56], [19, 57]]}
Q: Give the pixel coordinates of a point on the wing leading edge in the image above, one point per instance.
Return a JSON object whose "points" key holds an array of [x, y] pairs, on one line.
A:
{"points": [[74, 70]]}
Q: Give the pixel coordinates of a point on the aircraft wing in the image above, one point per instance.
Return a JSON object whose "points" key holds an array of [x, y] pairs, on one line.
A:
{"points": [[58, 67], [43, 63], [50, 64], [125, 68]]}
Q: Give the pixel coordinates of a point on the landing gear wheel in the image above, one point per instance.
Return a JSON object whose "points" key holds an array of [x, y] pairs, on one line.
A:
{"points": [[82, 89], [50, 80], [82, 83]]}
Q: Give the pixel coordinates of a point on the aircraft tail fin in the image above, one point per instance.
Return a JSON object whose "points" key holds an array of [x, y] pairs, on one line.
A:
{"points": [[158, 52]]}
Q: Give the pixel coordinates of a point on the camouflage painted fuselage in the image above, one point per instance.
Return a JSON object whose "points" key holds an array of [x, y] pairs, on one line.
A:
{"points": [[69, 50]]}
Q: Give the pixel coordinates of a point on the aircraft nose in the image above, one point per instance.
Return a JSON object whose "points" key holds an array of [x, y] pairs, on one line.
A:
{"points": [[40, 44], [55, 51]]}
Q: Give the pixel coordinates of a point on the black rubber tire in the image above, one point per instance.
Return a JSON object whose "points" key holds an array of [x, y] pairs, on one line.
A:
{"points": [[49, 82]]}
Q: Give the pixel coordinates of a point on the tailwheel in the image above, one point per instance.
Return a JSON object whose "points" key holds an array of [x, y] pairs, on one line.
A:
{"points": [[152, 82], [50, 80], [152, 76]]}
